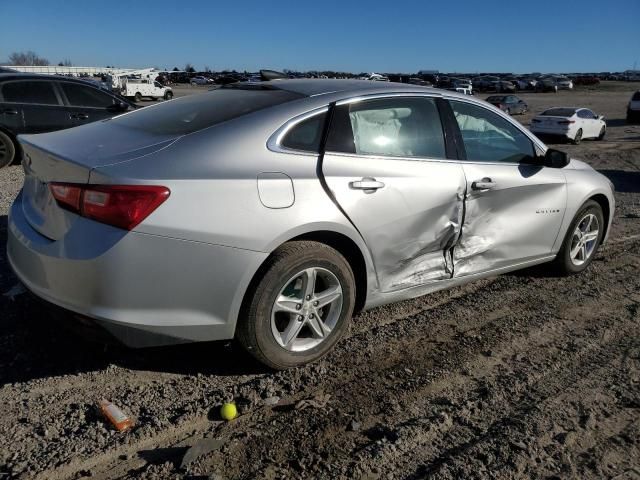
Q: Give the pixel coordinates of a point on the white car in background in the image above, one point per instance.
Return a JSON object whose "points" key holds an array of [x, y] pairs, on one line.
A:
{"points": [[572, 123], [633, 109], [564, 83]]}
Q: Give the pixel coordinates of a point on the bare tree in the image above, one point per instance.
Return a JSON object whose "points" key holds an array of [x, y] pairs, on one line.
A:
{"points": [[27, 58], [207, 69], [189, 68], [65, 63]]}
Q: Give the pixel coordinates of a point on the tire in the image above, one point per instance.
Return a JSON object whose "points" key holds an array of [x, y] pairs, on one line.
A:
{"points": [[603, 131], [565, 263], [168, 95], [578, 138], [8, 150], [138, 97], [262, 328]]}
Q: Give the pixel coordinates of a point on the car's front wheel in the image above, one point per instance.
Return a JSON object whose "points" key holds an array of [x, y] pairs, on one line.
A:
{"points": [[603, 131], [300, 307], [582, 239], [7, 150]]}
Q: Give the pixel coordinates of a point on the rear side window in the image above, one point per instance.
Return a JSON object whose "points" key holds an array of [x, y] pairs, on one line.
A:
{"points": [[397, 127], [83, 96], [39, 92], [195, 112], [306, 135]]}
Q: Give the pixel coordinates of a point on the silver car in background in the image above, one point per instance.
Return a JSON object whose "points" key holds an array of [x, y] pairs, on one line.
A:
{"points": [[271, 212]]}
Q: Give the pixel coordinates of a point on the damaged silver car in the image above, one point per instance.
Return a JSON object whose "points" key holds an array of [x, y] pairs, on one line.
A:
{"points": [[271, 212]]}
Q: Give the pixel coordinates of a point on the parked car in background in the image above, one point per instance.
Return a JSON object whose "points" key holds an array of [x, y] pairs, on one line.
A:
{"points": [[509, 104], [564, 83], [485, 83], [586, 80], [502, 86], [633, 108], [571, 123], [525, 83], [289, 248], [33, 103], [199, 81], [547, 84]]}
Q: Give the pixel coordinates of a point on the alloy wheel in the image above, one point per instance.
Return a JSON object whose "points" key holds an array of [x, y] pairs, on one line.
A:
{"points": [[584, 239], [306, 309]]}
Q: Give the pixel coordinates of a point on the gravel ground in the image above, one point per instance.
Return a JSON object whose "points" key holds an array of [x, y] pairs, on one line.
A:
{"points": [[519, 376]]}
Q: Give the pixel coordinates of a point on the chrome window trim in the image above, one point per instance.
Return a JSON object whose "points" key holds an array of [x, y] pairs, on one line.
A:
{"points": [[273, 143]]}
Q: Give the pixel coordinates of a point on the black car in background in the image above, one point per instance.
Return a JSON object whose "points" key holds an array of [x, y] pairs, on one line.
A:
{"points": [[509, 104], [31, 103]]}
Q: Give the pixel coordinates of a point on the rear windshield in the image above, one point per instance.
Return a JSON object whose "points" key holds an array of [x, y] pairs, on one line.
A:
{"points": [[194, 112], [636, 97], [559, 112]]}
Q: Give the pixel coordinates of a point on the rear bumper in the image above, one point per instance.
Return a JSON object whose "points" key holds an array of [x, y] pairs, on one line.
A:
{"points": [[548, 132], [144, 289]]}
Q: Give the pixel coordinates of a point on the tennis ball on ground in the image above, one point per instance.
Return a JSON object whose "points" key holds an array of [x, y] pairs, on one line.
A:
{"points": [[228, 411]]}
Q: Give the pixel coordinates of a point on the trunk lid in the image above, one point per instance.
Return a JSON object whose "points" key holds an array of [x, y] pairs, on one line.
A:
{"points": [[69, 156]]}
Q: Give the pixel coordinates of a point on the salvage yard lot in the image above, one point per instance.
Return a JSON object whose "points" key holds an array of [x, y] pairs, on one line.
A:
{"points": [[524, 375]]}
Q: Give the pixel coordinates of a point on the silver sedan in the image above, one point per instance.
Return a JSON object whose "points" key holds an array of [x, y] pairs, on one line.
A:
{"points": [[271, 212]]}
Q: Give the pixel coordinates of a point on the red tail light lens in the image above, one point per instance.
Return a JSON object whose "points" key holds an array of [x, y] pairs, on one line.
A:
{"points": [[566, 122], [123, 206], [67, 196]]}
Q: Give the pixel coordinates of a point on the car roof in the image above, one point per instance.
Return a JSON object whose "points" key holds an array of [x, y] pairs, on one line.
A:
{"points": [[39, 76], [312, 87]]}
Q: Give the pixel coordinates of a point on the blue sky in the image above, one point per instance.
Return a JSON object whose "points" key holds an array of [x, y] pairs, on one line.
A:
{"points": [[385, 36]]}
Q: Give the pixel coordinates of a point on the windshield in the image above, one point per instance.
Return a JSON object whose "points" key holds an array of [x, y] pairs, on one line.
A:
{"points": [[559, 112], [195, 112]]}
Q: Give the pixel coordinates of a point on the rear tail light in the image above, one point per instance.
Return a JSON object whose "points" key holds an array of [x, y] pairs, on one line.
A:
{"points": [[566, 122], [123, 206]]}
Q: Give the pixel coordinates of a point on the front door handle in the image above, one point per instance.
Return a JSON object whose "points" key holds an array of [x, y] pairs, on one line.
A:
{"points": [[80, 116], [368, 184], [483, 184], [10, 111]]}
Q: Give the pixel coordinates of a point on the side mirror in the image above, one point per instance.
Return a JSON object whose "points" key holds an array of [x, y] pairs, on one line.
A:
{"points": [[555, 159]]}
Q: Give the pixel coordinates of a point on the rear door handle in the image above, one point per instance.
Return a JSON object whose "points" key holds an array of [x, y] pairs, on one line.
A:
{"points": [[80, 116], [10, 111], [483, 184], [367, 183]]}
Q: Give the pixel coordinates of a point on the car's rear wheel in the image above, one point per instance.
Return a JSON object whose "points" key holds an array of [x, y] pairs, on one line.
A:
{"points": [[138, 97], [7, 150], [582, 239], [603, 131], [300, 307], [578, 138]]}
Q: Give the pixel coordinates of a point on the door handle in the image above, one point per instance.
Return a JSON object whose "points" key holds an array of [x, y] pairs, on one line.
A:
{"points": [[10, 111], [367, 183], [484, 184], [80, 116]]}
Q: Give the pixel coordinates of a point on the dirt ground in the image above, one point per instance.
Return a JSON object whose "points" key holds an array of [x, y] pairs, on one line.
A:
{"points": [[518, 376]]}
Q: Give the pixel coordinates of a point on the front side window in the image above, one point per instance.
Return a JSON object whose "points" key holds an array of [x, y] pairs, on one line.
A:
{"points": [[306, 135], [83, 96], [39, 92], [397, 127], [490, 138]]}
